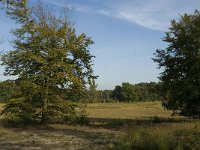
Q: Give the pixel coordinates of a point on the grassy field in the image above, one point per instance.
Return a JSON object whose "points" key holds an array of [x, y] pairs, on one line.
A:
{"points": [[127, 110], [112, 126]]}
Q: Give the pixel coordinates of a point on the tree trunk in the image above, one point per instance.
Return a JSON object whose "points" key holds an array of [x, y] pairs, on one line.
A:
{"points": [[45, 103]]}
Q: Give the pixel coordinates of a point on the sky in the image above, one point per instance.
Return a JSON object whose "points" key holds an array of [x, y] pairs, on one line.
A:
{"points": [[126, 33]]}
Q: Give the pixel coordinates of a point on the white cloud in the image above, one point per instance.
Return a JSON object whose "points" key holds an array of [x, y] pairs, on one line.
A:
{"points": [[151, 14], [79, 8], [143, 20]]}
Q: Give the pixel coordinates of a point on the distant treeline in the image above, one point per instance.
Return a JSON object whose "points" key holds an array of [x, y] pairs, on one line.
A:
{"points": [[122, 93], [132, 92]]}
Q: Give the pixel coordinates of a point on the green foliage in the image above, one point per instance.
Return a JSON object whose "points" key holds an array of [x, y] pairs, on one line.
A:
{"points": [[138, 92], [58, 111], [8, 90], [116, 94], [148, 91], [126, 92], [92, 92], [180, 62], [16, 8], [105, 95], [80, 117], [50, 59]]}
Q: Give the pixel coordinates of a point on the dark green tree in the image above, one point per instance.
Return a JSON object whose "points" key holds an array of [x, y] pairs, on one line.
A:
{"points": [[126, 93], [148, 91], [117, 93], [180, 62], [49, 59]]}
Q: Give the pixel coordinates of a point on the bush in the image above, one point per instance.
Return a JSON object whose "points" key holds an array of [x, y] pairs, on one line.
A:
{"points": [[156, 120], [81, 117]]}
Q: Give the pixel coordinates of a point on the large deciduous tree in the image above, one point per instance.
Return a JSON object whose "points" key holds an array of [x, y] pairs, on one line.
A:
{"points": [[49, 59], [180, 62]]}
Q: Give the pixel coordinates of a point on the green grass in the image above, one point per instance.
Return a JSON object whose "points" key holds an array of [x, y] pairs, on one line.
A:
{"points": [[114, 126], [140, 110]]}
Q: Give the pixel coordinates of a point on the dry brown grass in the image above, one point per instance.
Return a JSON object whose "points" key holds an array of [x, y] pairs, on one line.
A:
{"points": [[140, 110], [109, 122], [53, 137], [1, 106]]}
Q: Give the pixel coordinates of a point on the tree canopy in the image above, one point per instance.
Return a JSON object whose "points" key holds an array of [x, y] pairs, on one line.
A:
{"points": [[8, 90], [137, 92], [180, 62], [49, 59], [126, 92]]}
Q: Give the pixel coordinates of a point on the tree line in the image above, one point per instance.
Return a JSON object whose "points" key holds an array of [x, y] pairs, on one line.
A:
{"points": [[126, 92]]}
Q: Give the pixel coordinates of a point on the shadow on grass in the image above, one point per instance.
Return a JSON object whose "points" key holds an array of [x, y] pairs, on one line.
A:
{"points": [[110, 123], [107, 123], [51, 136], [100, 133]]}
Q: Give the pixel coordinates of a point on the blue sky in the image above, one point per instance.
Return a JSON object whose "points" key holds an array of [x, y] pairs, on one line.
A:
{"points": [[126, 34]]}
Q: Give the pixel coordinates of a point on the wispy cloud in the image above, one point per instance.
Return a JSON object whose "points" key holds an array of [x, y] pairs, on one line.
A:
{"points": [[151, 14], [79, 8], [89, 10]]}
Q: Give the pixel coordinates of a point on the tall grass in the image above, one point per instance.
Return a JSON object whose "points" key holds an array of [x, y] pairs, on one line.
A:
{"points": [[185, 136]]}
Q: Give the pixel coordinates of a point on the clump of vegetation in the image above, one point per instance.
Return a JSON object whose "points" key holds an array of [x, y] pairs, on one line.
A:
{"points": [[8, 90], [162, 137], [156, 119], [80, 117]]}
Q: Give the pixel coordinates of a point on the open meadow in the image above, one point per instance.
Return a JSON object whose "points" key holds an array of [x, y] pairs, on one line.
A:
{"points": [[80, 75], [112, 126], [127, 110]]}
